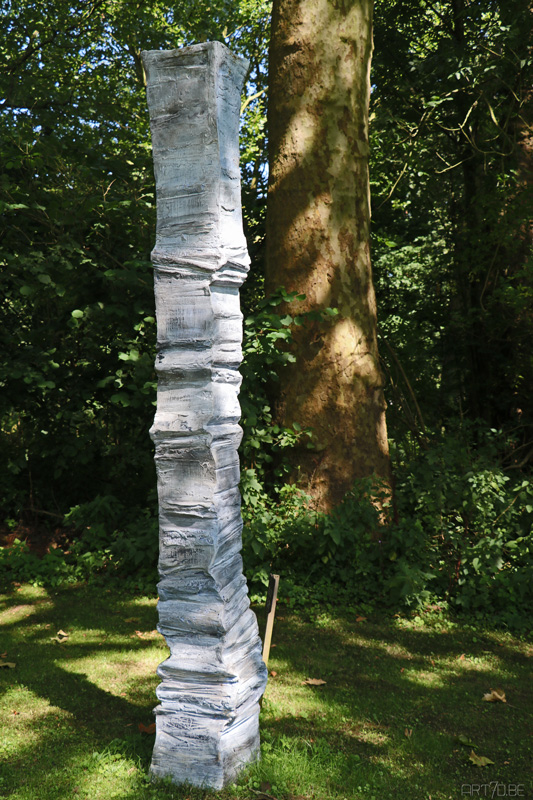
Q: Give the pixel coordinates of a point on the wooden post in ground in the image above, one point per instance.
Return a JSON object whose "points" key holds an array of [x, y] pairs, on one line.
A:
{"points": [[272, 598]]}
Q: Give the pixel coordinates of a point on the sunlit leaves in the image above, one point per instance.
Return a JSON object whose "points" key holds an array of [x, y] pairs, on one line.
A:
{"points": [[495, 696], [479, 761], [76, 191]]}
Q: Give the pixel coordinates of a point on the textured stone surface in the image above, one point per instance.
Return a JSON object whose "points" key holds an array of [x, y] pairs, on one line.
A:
{"points": [[207, 720]]}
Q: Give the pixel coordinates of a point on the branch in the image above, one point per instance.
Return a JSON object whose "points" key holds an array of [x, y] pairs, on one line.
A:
{"points": [[452, 166], [395, 184], [135, 53], [29, 51], [33, 46], [251, 98], [46, 513], [524, 461], [409, 387]]}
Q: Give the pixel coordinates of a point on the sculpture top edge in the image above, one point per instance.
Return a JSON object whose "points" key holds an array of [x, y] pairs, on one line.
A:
{"points": [[182, 53]]}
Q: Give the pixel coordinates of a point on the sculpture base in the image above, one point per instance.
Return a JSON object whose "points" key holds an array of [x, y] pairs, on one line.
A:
{"points": [[211, 759]]}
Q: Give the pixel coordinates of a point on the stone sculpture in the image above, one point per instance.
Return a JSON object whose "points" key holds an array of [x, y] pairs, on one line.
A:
{"points": [[207, 723]]}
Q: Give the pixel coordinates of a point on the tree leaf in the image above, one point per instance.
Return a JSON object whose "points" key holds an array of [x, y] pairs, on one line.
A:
{"points": [[495, 696], [60, 637], [314, 682], [147, 728], [465, 741], [479, 761]]}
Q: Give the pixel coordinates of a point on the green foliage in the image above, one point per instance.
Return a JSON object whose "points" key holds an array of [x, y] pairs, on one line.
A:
{"points": [[272, 527], [458, 534], [109, 543], [339, 556], [126, 538], [18, 563], [473, 524], [266, 334], [451, 109], [451, 192], [77, 326]]}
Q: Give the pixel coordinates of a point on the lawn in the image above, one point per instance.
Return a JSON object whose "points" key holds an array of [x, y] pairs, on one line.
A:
{"points": [[401, 713]]}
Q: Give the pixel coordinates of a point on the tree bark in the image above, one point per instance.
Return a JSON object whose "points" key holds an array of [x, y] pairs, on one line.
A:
{"points": [[318, 221]]}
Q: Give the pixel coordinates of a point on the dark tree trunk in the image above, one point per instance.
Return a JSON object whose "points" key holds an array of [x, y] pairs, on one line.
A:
{"points": [[318, 238]]}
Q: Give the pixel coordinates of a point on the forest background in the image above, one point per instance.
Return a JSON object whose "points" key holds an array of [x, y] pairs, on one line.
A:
{"points": [[451, 179]]}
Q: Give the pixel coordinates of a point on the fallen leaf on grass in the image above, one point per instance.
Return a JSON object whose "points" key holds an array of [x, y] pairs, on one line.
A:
{"points": [[465, 741], [273, 673], [60, 637], [144, 634], [314, 682], [133, 619], [262, 794], [360, 619], [8, 664], [479, 761], [408, 732], [147, 728], [3, 655], [495, 696]]}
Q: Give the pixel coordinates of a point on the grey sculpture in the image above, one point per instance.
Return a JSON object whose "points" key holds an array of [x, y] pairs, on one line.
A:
{"points": [[207, 723]]}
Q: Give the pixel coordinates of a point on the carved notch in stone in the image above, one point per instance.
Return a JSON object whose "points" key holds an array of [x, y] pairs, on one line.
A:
{"points": [[208, 718]]}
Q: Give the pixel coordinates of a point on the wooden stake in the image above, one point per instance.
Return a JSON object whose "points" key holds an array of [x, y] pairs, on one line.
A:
{"points": [[272, 597]]}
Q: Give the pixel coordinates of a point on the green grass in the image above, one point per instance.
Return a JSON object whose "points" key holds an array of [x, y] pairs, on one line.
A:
{"points": [[399, 694]]}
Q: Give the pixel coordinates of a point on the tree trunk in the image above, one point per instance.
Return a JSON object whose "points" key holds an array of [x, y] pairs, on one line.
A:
{"points": [[318, 239]]}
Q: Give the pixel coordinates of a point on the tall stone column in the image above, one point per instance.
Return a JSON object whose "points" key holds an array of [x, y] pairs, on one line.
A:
{"points": [[207, 720]]}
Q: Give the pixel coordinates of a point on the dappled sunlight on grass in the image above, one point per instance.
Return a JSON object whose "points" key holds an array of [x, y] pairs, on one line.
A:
{"points": [[388, 718], [424, 678], [421, 688]]}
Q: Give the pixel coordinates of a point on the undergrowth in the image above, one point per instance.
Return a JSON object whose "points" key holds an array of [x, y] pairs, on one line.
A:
{"points": [[457, 535]]}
